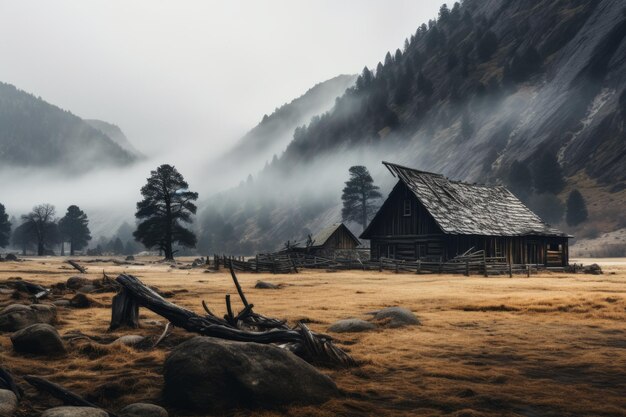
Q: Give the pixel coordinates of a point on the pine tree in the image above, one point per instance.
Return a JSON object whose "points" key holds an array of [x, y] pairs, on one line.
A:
{"points": [[576, 208], [424, 85], [5, 227], [547, 174], [166, 203], [74, 227], [359, 196], [487, 45], [520, 180]]}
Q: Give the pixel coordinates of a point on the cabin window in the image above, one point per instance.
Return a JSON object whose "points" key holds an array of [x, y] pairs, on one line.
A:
{"points": [[407, 207]]}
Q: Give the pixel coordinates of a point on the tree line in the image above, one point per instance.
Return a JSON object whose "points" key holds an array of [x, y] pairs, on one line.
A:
{"points": [[166, 207]]}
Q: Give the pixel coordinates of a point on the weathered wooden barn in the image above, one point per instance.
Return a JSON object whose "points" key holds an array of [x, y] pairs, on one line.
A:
{"points": [[427, 216], [333, 238]]}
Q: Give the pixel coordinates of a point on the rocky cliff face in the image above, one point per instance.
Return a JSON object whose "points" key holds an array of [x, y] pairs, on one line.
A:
{"points": [[489, 86]]}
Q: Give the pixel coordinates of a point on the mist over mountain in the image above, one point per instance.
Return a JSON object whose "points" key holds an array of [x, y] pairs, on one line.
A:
{"points": [[272, 135], [115, 134], [490, 91], [34, 133]]}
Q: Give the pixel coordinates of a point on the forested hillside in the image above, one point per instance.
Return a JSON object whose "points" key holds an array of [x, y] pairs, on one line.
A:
{"points": [[115, 134], [272, 135], [34, 133], [526, 93]]}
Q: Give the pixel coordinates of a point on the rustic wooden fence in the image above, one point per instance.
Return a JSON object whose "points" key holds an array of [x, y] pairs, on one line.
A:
{"points": [[468, 263]]}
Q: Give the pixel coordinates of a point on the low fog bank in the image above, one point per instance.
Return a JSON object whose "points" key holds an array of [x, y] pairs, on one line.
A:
{"points": [[108, 195]]}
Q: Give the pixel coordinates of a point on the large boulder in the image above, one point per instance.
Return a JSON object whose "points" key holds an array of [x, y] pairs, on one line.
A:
{"points": [[214, 375], [8, 403], [143, 410], [38, 339], [18, 316], [81, 300], [266, 285], [395, 317], [351, 326], [74, 412], [74, 283]]}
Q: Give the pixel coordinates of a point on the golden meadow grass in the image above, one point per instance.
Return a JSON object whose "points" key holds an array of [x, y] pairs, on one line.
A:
{"points": [[550, 345]]}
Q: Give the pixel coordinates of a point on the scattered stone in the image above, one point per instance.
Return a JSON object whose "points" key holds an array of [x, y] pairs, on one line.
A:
{"points": [[593, 269], [351, 326], [74, 283], [130, 340], [38, 339], [11, 257], [8, 403], [208, 374], [74, 412], [18, 316], [62, 303], [87, 288], [395, 317], [130, 258], [143, 410], [81, 300], [266, 285]]}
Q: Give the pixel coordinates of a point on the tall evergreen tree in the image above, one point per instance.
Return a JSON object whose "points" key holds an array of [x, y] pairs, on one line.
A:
{"points": [[547, 174], [359, 196], [74, 227], [5, 227], [576, 208], [166, 203], [41, 223], [520, 180]]}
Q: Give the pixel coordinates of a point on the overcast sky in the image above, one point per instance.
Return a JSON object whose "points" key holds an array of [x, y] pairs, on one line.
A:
{"points": [[195, 73]]}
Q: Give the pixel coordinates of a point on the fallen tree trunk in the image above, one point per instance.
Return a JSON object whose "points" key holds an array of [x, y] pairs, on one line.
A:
{"points": [[6, 382], [76, 266], [60, 393], [246, 326]]}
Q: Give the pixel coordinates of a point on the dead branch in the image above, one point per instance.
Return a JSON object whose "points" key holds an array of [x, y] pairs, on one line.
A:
{"points": [[60, 393], [245, 327], [7, 382], [76, 266]]}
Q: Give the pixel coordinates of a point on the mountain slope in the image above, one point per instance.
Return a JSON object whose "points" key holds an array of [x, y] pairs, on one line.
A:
{"points": [[492, 91], [274, 132], [36, 133], [115, 134]]}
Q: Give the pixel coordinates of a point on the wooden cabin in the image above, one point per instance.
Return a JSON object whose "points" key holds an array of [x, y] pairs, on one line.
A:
{"points": [[333, 238], [427, 216]]}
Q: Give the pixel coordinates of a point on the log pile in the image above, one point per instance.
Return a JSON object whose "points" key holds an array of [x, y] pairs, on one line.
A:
{"points": [[244, 326]]}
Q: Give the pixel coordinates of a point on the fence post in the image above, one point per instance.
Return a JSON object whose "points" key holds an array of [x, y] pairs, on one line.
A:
{"points": [[485, 263], [510, 270], [467, 268], [528, 271], [419, 267], [380, 264]]}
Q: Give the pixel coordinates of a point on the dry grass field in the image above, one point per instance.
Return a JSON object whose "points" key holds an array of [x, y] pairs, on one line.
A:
{"points": [[550, 345]]}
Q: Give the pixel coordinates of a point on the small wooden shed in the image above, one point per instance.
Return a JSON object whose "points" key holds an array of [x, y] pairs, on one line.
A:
{"points": [[333, 238], [426, 215]]}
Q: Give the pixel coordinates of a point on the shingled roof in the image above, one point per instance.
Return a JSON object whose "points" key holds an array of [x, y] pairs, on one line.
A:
{"points": [[471, 209], [323, 235]]}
